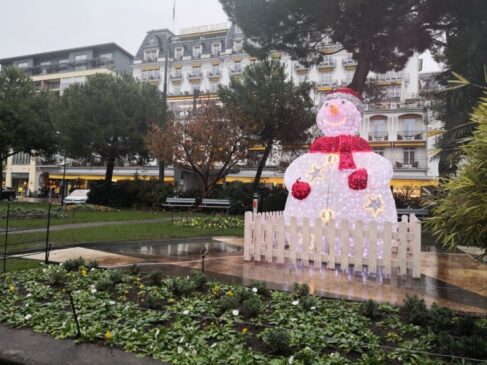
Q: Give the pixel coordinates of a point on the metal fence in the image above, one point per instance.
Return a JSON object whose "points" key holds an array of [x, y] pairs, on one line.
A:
{"points": [[21, 243]]}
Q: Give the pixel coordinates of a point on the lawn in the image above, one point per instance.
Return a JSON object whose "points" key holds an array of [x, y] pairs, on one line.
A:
{"points": [[192, 321]]}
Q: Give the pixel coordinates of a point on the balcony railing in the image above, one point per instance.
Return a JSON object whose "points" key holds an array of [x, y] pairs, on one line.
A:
{"points": [[327, 65], [214, 73], [300, 68], [379, 136], [195, 76], [235, 71], [71, 66], [348, 62], [176, 76], [414, 164], [150, 78], [411, 135]]}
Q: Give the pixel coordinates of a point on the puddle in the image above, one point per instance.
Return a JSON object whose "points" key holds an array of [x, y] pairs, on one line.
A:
{"points": [[175, 249]]}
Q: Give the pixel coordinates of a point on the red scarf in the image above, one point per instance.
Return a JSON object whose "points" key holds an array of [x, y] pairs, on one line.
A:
{"points": [[344, 145]]}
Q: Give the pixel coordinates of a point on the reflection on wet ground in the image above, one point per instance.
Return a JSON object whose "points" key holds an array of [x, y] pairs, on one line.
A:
{"points": [[454, 280]]}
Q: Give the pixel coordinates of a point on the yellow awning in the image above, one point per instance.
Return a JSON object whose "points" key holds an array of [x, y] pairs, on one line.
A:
{"points": [[397, 183], [99, 177]]}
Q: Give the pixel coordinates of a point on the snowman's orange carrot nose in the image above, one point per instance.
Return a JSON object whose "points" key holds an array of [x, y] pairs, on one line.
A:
{"points": [[333, 110]]}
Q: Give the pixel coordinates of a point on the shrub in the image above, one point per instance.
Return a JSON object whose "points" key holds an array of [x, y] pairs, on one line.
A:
{"points": [[56, 278], [370, 309], [116, 276], [308, 302], [466, 326], [199, 280], [226, 303], [300, 290], [93, 264], [153, 302], [475, 346], [155, 278], [440, 318], [414, 310], [104, 284], [74, 264], [181, 286], [243, 294], [277, 339], [134, 270], [261, 288], [251, 307]]}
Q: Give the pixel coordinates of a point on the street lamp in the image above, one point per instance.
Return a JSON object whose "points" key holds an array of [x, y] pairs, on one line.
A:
{"points": [[164, 106]]}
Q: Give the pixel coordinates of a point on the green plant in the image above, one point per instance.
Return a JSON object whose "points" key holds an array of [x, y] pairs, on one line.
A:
{"points": [[370, 309], [251, 307], [134, 270], [278, 341], [243, 294], [261, 288], [155, 278], [116, 276], [56, 278], [93, 264], [308, 302], [181, 286], [153, 302], [104, 284], [300, 290], [218, 222], [414, 310], [199, 280], [74, 264], [227, 302], [440, 318]]}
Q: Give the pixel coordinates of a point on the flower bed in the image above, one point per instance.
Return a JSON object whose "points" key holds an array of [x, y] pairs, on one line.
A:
{"points": [[215, 222], [191, 321]]}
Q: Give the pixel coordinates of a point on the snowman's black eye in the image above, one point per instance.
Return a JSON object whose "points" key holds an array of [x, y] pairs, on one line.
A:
{"points": [[343, 101]]}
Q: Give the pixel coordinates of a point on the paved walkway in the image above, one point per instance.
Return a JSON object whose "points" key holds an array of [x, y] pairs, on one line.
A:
{"points": [[22, 346], [62, 227]]}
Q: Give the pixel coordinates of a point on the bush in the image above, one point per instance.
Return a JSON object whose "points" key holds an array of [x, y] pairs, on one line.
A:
{"points": [[56, 278], [414, 310], [440, 318], [134, 270], [300, 290], [199, 280], [370, 309], [93, 264], [277, 340], [243, 294], [181, 286], [104, 284], [251, 307], [308, 302], [153, 302], [130, 194], [74, 264], [116, 276], [261, 288], [227, 302], [155, 278]]}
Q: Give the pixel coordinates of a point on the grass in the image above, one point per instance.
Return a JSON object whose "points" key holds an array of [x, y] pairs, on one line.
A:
{"points": [[15, 264]]}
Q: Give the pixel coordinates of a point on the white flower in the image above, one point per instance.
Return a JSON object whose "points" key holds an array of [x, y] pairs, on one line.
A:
{"points": [[93, 291], [28, 295], [92, 269], [194, 352], [186, 312], [180, 350], [255, 290], [290, 360], [134, 330], [61, 263], [293, 319], [235, 312], [26, 304], [157, 332], [111, 302], [181, 339], [313, 308], [295, 302], [213, 344], [28, 316]]}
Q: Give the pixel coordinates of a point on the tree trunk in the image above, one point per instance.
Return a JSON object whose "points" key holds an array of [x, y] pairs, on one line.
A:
{"points": [[109, 171], [363, 68], [1, 169], [261, 166]]}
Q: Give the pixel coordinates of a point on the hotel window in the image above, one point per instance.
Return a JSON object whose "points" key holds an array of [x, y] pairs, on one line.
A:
{"points": [[80, 61], [23, 64], [21, 158], [196, 71], [237, 66], [196, 88], [349, 76], [215, 49], [45, 66], [379, 131], [325, 79], [178, 53], [409, 127], [176, 89], [150, 55], [237, 45], [215, 70], [213, 87], [177, 73], [327, 60], [393, 91], [197, 51], [379, 151], [409, 156], [106, 57]]}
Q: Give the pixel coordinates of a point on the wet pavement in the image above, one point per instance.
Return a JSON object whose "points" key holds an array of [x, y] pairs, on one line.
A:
{"points": [[454, 280]]}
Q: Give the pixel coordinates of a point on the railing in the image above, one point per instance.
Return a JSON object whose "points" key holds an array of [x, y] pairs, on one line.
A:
{"points": [[72, 66], [410, 135], [349, 62], [235, 71], [268, 237], [327, 64], [417, 164], [379, 136], [214, 73], [177, 76], [195, 76]]}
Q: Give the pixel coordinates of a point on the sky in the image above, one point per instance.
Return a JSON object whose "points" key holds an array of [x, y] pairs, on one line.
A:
{"points": [[34, 26]]}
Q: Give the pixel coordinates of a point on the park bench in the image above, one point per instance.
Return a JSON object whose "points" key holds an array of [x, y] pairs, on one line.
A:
{"points": [[179, 203], [419, 213], [215, 204]]}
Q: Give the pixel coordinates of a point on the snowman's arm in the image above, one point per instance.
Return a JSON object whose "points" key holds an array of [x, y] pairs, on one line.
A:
{"points": [[379, 172], [296, 170]]}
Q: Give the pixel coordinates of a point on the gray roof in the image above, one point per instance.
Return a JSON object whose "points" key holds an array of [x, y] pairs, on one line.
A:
{"points": [[102, 46]]}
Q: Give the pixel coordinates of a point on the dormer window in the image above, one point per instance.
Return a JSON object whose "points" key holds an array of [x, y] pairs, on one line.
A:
{"points": [[237, 45], [150, 55], [178, 53], [197, 51], [216, 49]]}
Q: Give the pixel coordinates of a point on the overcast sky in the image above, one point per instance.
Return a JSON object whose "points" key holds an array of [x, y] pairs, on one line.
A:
{"points": [[34, 26]]}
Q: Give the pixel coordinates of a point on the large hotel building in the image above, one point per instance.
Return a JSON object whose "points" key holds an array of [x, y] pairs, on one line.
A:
{"points": [[201, 58]]}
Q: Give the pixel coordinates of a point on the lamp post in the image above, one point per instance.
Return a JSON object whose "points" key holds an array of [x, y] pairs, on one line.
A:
{"points": [[164, 102], [63, 193]]}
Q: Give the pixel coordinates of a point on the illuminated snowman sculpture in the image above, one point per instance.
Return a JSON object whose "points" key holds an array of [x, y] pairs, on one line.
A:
{"points": [[340, 177]]}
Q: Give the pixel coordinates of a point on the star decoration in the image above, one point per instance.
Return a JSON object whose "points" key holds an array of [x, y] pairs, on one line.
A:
{"points": [[316, 173], [374, 204], [326, 215]]}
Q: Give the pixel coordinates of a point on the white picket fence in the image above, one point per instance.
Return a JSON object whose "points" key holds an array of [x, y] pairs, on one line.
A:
{"points": [[268, 238]]}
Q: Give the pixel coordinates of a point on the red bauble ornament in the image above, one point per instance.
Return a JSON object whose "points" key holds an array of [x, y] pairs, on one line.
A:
{"points": [[300, 189], [357, 180]]}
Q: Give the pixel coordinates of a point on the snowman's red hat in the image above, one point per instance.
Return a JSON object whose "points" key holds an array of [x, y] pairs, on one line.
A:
{"points": [[347, 94]]}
